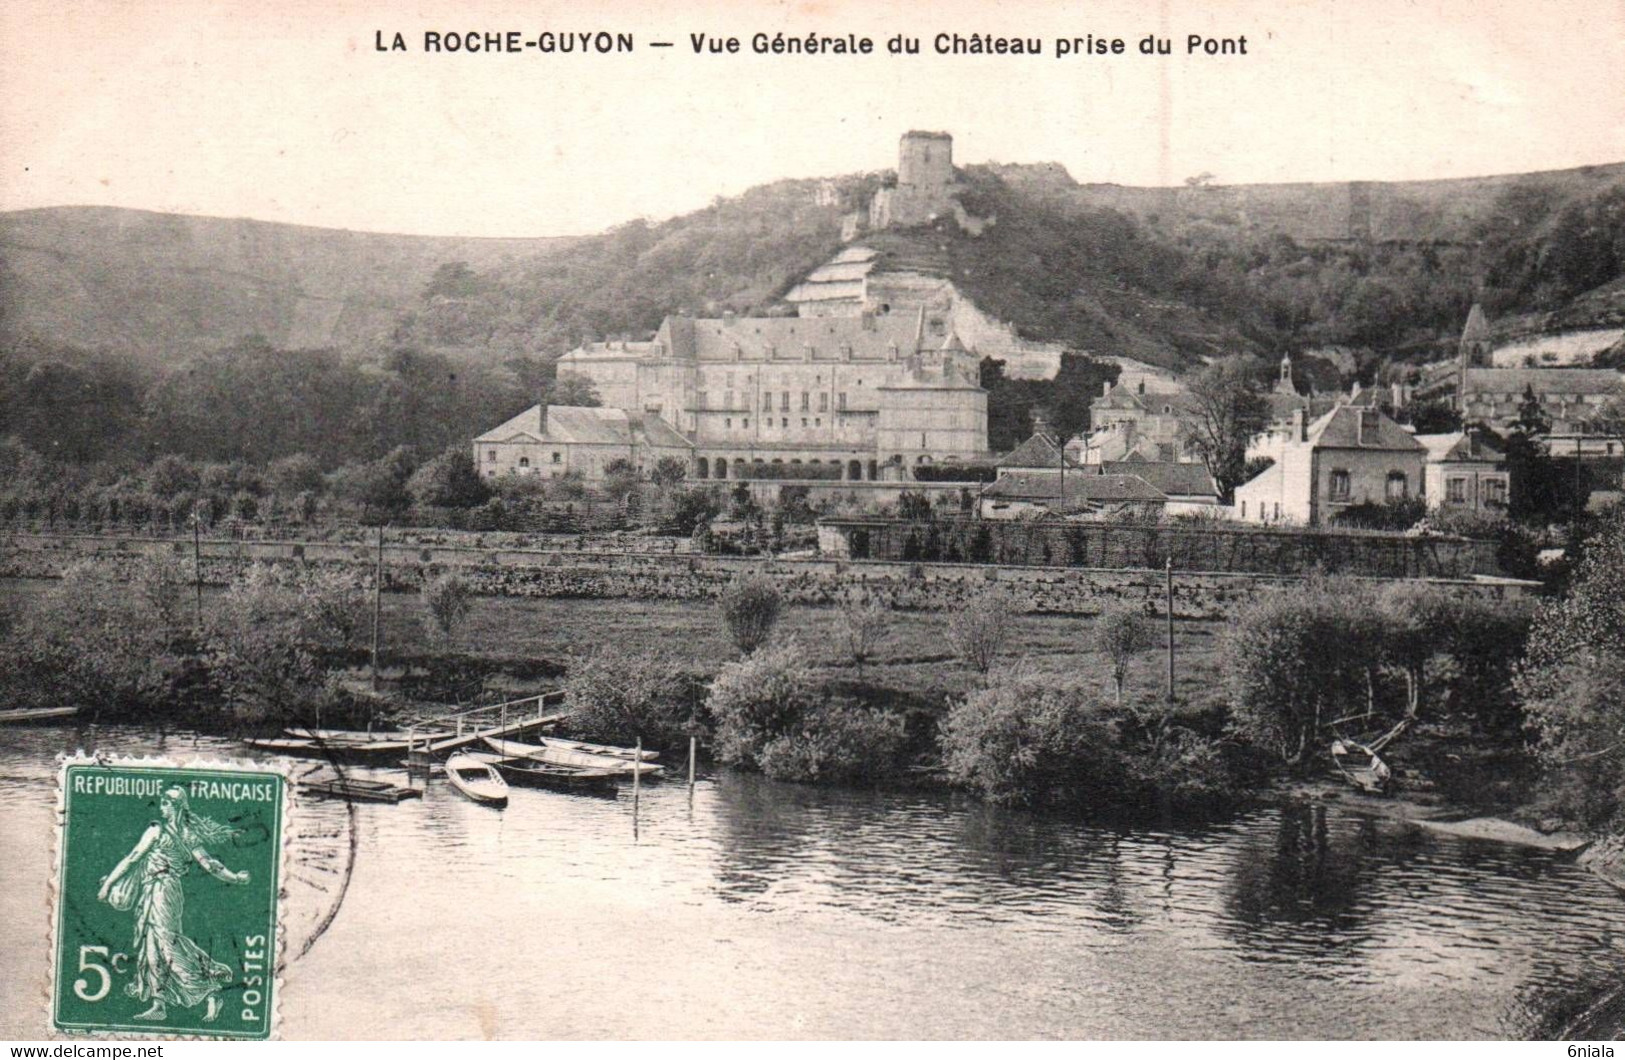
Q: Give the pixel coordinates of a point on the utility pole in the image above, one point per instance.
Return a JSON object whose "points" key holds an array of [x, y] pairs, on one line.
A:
{"points": [[197, 568], [1579, 485], [1170, 570], [377, 604]]}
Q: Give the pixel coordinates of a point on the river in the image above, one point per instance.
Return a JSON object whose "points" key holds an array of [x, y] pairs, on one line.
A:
{"points": [[755, 909]]}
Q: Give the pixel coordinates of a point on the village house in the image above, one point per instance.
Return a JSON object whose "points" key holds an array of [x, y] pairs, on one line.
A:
{"points": [[868, 395], [1349, 456], [1076, 493], [1136, 419], [1466, 471]]}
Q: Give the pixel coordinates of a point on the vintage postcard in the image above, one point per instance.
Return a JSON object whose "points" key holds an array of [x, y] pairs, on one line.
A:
{"points": [[725, 521]]}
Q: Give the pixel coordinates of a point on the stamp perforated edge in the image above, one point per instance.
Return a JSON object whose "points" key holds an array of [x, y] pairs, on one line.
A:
{"points": [[59, 820]]}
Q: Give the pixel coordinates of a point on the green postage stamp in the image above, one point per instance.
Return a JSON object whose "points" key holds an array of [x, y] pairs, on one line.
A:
{"points": [[166, 900]]}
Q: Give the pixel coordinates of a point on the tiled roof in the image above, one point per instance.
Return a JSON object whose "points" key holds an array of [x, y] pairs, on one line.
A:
{"points": [[1340, 429], [1080, 486], [528, 423], [1543, 380], [565, 423], [1176, 480], [1037, 451]]}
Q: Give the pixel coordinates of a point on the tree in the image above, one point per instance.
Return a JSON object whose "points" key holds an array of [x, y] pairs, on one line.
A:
{"points": [[862, 628], [1120, 634], [760, 698], [668, 471], [447, 601], [750, 610], [978, 630], [574, 390], [292, 475], [621, 479], [450, 480], [1226, 410]]}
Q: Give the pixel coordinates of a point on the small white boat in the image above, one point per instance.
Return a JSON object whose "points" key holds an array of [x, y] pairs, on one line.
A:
{"points": [[26, 714], [477, 780]]}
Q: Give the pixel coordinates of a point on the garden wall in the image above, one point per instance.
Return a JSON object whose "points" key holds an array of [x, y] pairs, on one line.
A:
{"points": [[1116, 545]]}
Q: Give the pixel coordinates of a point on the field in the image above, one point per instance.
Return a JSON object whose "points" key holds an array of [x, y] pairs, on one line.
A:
{"points": [[915, 658]]}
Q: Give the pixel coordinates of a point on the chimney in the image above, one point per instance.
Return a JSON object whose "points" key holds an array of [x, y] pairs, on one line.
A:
{"points": [[1368, 425], [543, 418], [1106, 388]]}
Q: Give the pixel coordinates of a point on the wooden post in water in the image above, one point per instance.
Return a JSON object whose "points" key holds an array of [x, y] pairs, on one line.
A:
{"points": [[637, 777], [1170, 569], [377, 603], [691, 742]]}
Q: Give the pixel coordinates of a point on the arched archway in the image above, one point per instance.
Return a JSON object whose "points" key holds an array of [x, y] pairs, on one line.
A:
{"points": [[740, 467], [702, 467], [854, 470], [722, 467]]}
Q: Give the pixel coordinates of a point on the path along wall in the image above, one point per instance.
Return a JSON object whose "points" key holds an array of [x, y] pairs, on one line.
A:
{"points": [[513, 572]]}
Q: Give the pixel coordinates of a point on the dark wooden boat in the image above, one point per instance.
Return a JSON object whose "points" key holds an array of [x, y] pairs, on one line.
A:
{"points": [[529, 773], [559, 756], [1362, 767]]}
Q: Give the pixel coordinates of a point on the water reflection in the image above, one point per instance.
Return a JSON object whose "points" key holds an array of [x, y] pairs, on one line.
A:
{"points": [[761, 908]]}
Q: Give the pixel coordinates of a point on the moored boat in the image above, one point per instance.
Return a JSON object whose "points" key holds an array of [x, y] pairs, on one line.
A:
{"points": [[19, 715], [530, 773], [477, 780], [557, 756], [597, 749]]}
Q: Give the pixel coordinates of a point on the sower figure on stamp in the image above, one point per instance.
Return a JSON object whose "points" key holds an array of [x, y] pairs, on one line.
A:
{"points": [[169, 967]]}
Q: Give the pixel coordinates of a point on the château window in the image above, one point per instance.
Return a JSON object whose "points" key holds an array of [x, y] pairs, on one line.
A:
{"points": [[804, 421], [1396, 488], [783, 422], [558, 457], [490, 456], [784, 401], [728, 422], [823, 401], [745, 423], [840, 401], [1455, 490], [1340, 485], [524, 461], [806, 401], [730, 400], [767, 401]]}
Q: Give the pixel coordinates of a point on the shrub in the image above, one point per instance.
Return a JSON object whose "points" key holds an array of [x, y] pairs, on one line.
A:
{"points": [[759, 699], [1121, 633], [837, 742], [862, 627], [979, 630], [1021, 742], [450, 480], [750, 610], [618, 695], [447, 600], [274, 635]]}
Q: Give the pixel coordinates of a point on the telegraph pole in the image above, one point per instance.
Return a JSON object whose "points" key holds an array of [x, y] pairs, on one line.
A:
{"points": [[197, 568], [1170, 570], [377, 603]]}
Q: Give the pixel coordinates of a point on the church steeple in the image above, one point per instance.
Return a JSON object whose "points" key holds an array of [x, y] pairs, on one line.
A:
{"points": [[1283, 382], [1474, 352]]}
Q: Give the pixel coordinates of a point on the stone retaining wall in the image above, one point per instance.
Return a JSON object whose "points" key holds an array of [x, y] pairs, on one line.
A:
{"points": [[513, 572]]}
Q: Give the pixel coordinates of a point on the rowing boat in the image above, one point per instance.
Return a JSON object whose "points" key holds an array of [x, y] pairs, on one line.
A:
{"points": [[351, 737], [597, 749], [477, 780], [530, 773], [559, 756]]}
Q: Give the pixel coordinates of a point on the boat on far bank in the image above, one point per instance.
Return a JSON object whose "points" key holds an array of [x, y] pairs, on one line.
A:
{"points": [[24, 715], [477, 780]]}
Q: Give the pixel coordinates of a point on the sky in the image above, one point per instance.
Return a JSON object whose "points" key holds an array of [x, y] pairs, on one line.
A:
{"points": [[286, 111]]}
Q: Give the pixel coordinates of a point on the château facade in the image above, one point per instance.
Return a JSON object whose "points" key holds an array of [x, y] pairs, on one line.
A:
{"points": [[862, 393]]}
